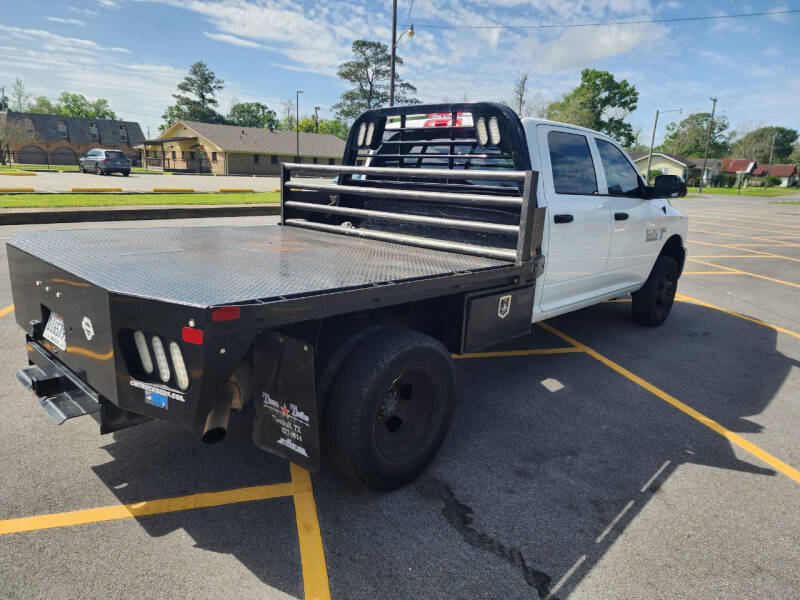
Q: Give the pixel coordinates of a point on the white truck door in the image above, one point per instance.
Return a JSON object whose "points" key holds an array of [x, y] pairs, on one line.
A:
{"points": [[635, 221], [578, 229]]}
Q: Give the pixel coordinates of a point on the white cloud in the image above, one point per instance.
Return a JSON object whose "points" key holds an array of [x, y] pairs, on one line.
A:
{"points": [[232, 39], [57, 44], [108, 3], [772, 51], [83, 11], [66, 21]]}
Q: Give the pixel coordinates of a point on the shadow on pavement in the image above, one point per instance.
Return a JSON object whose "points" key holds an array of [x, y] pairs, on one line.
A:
{"points": [[529, 483]]}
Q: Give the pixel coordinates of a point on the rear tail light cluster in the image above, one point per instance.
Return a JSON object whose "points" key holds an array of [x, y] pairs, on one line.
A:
{"points": [[162, 364]]}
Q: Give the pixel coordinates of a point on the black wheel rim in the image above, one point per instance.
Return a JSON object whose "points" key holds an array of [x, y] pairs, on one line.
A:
{"points": [[406, 415], [667, 285]]}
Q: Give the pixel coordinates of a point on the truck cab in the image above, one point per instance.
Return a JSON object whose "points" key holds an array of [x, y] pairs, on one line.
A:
{"points": [[606, 227]]}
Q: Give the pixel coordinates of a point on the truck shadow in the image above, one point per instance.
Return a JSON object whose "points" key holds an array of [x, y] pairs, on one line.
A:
{"points": [[529, 485]]}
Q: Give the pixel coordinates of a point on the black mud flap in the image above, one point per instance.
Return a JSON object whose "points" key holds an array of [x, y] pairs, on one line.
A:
{"points": [[286, 400]]}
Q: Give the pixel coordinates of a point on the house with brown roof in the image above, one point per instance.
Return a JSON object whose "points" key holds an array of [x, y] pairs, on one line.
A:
{"points": [[230, 149], [787, 173], [738, 166]]}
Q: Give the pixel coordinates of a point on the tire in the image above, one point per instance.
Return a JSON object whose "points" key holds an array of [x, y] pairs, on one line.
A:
{"points": [[653, 301], [389, 408], [126, 173], [98, 170], [81, 169]]}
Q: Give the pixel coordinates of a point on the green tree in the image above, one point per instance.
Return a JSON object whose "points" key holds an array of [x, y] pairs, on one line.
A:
{"points": [[42, 106], [756, 144], [600, 102], [329, 126], [794, 157], [19, 96], [196, 98], [252, 114], [688, 138], [368, 74]]}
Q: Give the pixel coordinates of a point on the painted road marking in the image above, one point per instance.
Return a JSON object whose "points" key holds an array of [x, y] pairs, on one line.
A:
{"points": [[684, 298], [745, 228], [732, 437], [312, 554], [758, 252], [534, 351], [708, 273], [6, 310], [738, 235], [143, 509], [739, 271]]}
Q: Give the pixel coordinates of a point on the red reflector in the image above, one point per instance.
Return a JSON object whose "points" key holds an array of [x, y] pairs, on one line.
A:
{"points": [[191, 335], [226, 313]]}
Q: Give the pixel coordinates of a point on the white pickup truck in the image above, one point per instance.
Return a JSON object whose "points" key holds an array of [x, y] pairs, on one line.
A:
{"points": [[440, 235]]}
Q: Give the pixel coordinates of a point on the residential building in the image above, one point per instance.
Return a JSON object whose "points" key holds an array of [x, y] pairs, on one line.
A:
{"points": [[667, 164], [787, 173], [55, 139], [230, 149]]}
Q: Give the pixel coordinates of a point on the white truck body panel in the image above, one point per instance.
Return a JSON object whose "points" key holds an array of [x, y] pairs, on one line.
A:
{"points": [[611, 243]]}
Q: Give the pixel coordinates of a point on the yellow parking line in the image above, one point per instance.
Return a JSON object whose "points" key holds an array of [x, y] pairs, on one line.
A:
{"points": [[743, 227], [312, 553], [708, 273], [531, 352], [756, 252], [740, 272], [6, 310], [732, 437], [143, 509], [726, 234], [684, 298], [759, 219]]}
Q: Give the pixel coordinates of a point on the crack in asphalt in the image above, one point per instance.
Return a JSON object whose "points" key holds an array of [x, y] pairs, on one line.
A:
{"points": [[460, 516]]}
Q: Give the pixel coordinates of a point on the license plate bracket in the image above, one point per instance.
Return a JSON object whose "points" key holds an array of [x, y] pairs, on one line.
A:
{"points": [[54, 331]]}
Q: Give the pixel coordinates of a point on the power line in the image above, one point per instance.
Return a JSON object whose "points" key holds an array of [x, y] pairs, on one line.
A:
{"points": [[639, 22]]}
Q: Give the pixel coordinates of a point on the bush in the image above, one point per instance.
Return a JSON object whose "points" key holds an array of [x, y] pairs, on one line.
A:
{"points": [[774, 180]]}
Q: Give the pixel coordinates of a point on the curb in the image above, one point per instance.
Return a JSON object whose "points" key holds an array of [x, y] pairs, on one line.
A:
{"points": [[92, 190], [137, 214]]}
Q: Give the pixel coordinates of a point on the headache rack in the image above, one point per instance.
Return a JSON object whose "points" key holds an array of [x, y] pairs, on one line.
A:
{"points": [[418, 175]]}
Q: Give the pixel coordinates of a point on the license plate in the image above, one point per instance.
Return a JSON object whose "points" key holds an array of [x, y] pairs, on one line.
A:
{"points": [[54, 331]]}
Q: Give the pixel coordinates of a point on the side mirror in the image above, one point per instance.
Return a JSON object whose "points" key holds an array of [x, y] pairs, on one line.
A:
{"points": [[669, 186]]}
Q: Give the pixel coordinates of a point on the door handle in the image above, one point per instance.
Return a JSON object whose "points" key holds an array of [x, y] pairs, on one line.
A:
{"points": [[620, 216], [563, 218]]}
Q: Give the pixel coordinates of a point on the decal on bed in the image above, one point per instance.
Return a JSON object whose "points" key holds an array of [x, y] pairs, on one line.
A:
{"points": [[149, 388]]}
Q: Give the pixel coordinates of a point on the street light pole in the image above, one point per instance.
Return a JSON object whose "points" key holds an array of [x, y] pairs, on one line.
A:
{"points": [[297, 122], [394, 47], [708, 139], [771, 150], [316, 119], [653, 139]]}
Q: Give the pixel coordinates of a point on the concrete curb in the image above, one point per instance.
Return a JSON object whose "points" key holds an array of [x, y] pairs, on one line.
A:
{"points": [[138, 213]]}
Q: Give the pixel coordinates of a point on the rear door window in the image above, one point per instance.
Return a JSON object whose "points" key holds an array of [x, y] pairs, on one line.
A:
{"points": [[621, 178], [114, 154], [572, 164]]}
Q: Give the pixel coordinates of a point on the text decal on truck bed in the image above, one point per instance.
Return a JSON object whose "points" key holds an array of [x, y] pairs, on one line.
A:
{"points": [[154, 389]]}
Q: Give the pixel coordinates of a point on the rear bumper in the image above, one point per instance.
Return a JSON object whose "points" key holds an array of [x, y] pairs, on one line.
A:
{"points": [[59, 391]]}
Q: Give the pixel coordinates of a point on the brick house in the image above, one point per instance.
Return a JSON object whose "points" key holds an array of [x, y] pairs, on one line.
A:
{"points": [[56, 139], [230, 149]]}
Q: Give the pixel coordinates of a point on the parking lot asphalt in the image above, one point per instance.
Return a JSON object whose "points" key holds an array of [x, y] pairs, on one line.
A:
{"points": [[662, 465], [53, 181]]}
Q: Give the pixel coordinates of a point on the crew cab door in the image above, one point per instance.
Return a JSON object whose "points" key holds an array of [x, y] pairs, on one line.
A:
{"points": [[578, 228], [635, 232]]}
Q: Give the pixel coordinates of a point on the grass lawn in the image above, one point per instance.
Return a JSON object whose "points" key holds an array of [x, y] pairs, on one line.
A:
{"points": [[786, 202], [773, 191], [55, 168], [74, 200]]}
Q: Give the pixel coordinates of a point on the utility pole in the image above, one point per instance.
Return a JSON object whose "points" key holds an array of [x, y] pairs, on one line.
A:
{"points": [[653, 139], [297, 121], [771, 150], [316, 119], [708, 139], [394, 48]]}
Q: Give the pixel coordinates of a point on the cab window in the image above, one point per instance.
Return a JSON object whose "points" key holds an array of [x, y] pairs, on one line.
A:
{"points": [[621, 177], [571, 160]]}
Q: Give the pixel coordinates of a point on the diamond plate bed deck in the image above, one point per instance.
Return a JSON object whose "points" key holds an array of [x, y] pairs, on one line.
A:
{"points": [[210, 266]]}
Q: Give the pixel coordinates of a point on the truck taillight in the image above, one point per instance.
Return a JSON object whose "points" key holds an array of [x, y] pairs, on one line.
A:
{"points": [[180, 367], [144, 352], [161, 359]]}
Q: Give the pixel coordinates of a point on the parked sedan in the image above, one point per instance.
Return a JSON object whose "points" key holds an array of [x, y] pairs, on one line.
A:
{"points": [[103, 162]]}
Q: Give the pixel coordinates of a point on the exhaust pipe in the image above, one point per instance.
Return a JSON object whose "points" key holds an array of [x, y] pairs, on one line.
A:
{"points": [[216, 427]]}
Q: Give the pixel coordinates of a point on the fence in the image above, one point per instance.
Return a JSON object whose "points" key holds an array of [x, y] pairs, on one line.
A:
{"points": [[59, 160]]}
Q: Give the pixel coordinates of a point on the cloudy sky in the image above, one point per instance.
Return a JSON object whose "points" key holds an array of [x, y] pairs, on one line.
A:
{"points": [[134, 52]]}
